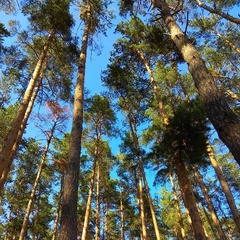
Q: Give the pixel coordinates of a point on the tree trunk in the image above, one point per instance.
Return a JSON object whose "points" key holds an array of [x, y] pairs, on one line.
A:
{"points": [[155, 87], [140, 177], [55, 227], [188, 198], [21, 131], [210, 222], [68, 226], [97, 232], [209, 203], [32, 195], [122, 216], [10, 140], [221, 116], [142, 174], [89, 200], [225, 187], [183, 234], [141, 208]]}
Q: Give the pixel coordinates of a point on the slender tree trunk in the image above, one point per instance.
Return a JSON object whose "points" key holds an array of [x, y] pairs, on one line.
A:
{"points": [[31, 200], [221, 116], [21, 131], [97, 232], [209, 203], [68, 225], [106, 229], [141, 207], [155, 87], [151, 206], [140, 177], [188, 198], [183, 234], [89, 200], [142, 174], [10, 141], [55, 228], [225, 187], [210, 222], [122, 215]]}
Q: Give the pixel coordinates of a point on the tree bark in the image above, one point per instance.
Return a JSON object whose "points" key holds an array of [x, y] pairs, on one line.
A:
{"points": [[210, 222], [32, 195], [183, 233], [189, 198], [89, 200], [10, 141], [155, 87], [97, 232], [225, 187], [68, 226], [226, 123], [209, 203], [56, 221], [21, 131], [122, 216]]}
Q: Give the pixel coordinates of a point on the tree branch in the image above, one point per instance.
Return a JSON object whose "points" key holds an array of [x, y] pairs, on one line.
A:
{"points": [[214, 10]]}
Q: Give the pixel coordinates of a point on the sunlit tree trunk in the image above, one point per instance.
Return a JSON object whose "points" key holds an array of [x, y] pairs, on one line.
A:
{"points": [[10, 141], [32, 195], [68, 223], [188, 197], [226, 123], [97, 232], [21, 130], [122, 215], [210, 222], [183, 234], [225, 187], [141, 174], [141, 207], [209, 203], [90, 195]]}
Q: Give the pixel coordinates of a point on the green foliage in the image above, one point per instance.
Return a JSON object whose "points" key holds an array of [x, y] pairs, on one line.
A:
{"points": [[3, 33], [17, 193], [99, 115], [186, 133], [49, 14], [7, 116], [100, 16]]}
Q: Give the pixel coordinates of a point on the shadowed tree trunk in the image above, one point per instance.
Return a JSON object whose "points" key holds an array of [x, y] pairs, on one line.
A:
{"points": [[188, 197], [68, 223]]}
